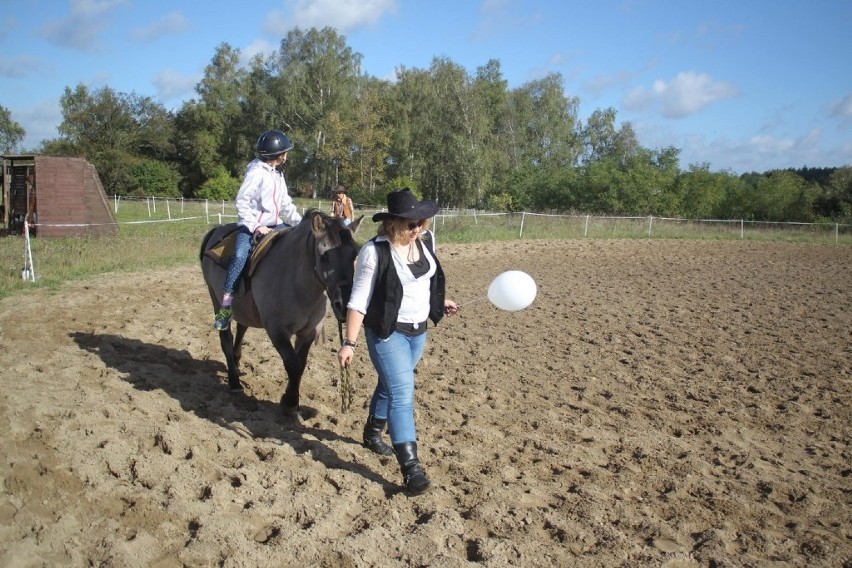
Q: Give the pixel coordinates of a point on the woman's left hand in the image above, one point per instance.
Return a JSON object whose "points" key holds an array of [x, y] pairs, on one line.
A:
{"points": [[450, 307]]}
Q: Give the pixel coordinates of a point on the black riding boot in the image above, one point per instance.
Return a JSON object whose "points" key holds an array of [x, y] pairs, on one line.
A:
{"points": [[413, 477], [373, 436]]}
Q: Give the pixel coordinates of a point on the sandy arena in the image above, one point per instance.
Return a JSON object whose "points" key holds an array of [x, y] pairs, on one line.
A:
{"points": [[661, 403]]}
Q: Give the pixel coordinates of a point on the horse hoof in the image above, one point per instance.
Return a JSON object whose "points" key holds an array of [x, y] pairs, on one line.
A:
{"points": [[292, 415]]}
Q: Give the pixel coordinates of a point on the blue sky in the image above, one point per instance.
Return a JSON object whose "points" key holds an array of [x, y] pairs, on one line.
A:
{"points": [[744, 85]]}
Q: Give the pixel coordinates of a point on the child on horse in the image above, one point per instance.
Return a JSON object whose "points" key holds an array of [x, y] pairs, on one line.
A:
{"points": [[262, 202]]}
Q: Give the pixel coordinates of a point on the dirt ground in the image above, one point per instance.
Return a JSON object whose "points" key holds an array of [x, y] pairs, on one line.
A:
{"points": [[661, 403]]}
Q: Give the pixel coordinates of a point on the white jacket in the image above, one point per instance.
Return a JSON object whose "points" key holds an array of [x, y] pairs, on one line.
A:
{"points": [[263, 199]]}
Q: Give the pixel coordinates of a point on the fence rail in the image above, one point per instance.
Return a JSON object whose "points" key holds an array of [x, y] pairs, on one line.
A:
{"points": [[470, 224]]}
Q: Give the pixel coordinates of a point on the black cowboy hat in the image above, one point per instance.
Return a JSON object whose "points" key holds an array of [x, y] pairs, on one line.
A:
{"points": [[402, 203]]}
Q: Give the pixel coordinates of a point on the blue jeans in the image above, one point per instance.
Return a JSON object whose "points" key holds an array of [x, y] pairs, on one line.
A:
{"points": [[242, 250], [395, 359]]}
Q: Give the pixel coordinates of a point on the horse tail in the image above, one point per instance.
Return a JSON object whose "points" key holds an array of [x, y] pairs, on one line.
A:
{"points": [[204, 242]]}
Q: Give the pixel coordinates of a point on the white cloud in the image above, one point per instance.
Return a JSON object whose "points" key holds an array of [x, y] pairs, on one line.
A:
{"points": [[600, 83], [83, 24], [761, 152], [750, 153], [41, 121], [257, 47], [18, 67], [173, 23], [173, 86], [342, 15], [842, 110], [686, 94], [7, 24]]}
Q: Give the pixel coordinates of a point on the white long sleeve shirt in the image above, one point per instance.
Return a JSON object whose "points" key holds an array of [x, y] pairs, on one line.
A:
{"points": [[415, 291], [263, 199]]}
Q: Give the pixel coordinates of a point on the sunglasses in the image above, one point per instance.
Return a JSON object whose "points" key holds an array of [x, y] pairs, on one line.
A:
{"points": [[414, 224]]}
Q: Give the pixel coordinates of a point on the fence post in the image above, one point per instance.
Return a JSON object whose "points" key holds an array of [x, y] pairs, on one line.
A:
{"points": [[650, 222], [207, 211], [168, 210], [523, 216], [742, 229], [28, 272]]}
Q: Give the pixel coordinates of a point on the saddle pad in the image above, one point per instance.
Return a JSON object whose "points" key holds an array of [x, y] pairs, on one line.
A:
{"points": [[261, 248], [222, 251]]}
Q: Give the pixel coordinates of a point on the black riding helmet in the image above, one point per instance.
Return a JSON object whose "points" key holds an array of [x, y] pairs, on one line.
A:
{"points": [[271, 144]]}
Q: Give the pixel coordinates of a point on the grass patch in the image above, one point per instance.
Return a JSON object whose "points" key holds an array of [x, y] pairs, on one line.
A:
{"points": [[162, 234]]}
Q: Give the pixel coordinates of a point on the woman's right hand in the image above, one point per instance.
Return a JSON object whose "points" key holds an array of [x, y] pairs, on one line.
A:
{"points": [[345, 355]]}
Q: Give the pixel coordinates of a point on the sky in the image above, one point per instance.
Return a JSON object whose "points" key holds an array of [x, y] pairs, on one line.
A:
{"points": [[741, 85]]}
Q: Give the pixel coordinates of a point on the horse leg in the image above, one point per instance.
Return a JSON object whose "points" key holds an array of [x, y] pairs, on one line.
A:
{"points": [[238, 345], [295, 361], [226, 340]]}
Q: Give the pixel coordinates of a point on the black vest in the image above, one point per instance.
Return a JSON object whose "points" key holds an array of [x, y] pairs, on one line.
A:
{"points": [[387, 295]]}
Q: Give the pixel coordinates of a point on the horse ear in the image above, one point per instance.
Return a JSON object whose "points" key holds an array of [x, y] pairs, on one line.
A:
{"points": [[317, 224], [354, 225]]}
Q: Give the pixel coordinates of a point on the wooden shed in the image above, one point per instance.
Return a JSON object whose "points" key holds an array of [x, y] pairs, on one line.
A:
{"points": [[60, 197]]}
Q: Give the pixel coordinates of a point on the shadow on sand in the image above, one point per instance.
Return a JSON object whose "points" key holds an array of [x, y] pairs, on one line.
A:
{"points": [[194, 384]]}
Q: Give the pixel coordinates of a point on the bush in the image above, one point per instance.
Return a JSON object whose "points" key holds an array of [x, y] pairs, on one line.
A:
{"points": [[222, 186], [153, 177]]}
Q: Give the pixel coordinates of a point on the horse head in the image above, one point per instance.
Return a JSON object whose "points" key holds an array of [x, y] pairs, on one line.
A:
{"points": [[335, 262]]}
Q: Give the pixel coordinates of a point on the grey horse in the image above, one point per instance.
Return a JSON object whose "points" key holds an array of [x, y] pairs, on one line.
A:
{"points": [[305, 268]]}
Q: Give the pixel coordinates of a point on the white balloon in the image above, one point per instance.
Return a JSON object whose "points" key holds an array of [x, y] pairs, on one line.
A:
{"points": [[512, 290]]}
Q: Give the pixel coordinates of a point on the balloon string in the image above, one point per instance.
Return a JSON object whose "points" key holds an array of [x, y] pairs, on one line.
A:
{"points": [[473, 301]]}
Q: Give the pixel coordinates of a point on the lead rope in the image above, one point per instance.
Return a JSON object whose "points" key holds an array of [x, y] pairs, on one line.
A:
{"points": [[346, 390]]}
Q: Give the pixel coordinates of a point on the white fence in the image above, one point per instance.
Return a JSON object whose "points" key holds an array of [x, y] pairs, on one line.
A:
{"points": [[526, 224]]}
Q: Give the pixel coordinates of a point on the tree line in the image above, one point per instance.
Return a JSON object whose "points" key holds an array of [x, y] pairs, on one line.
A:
{"points": [[464, 139]]}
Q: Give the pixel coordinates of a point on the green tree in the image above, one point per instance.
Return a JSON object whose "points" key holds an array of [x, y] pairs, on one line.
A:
{"points": [[210, 127], [444, 130], [153, 177], [602, 140], [370, 139], [701, 191], [542, 128], [313, 80], [491, 96], [11, 133], [774, 196], [835, 199], [113, 131], [221, 186]]}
